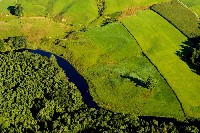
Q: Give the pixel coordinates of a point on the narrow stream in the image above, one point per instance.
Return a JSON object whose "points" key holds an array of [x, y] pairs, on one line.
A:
{"points": [[73, 76]]}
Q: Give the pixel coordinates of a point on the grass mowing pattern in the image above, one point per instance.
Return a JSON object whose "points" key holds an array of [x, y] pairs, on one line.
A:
{"points": [[180, 16], [160, 41], [115, 61]]}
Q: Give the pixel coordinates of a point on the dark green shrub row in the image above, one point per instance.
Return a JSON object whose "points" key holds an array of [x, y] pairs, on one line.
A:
{"points": [[180, 16]]}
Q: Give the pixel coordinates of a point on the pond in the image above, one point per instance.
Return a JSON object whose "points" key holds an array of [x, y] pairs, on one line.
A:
{"points": [[73, 76]]}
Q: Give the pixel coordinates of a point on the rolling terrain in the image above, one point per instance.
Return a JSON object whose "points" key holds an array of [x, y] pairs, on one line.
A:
{"points": [[116, 47]]}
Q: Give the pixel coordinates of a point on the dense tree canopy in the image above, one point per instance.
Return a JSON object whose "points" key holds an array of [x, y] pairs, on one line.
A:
{"points": [[33, 89]]}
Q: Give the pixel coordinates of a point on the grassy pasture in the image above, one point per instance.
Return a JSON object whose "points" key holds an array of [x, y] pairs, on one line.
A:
{"points": [[180, 16], [120, 5], [196, 9], [160, 41], [191, 3], [4, 4], [76, 12], [34, 28], [106, 58]]}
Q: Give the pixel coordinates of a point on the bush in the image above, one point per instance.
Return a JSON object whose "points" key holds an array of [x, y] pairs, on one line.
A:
{"points": [[151, 83], [111, 18], [18, 10], [180, 16]]}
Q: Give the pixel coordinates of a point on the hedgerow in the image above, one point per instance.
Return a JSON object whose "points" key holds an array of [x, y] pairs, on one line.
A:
{"points": [[180, 16]]}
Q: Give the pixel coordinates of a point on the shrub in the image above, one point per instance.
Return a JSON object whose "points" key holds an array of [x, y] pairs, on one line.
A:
{"points": [[111, 18], [151, 83], [180, 16], [18, 10]]}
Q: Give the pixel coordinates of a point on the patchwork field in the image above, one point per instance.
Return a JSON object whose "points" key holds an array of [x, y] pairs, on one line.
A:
{"points": [[121, 66], [160, 41]]}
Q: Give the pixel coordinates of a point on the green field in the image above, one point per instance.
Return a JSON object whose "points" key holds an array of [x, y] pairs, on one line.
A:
{"points": [[104, 62], [160, 41], [180, 16], [32, 28], [120, 5], [196, 9], [190, 3], [79, 13]]}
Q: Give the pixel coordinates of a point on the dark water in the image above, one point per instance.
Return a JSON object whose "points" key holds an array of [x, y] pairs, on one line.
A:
{"points": [[73, 76]]}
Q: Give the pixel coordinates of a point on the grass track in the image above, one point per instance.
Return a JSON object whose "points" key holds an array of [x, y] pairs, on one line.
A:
{"points": [[161, 42]]}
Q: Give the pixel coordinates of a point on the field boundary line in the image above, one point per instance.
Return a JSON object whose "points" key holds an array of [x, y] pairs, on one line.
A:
{"points": [[156, 69]]}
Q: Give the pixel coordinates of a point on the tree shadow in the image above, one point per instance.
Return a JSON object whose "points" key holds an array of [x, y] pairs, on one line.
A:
{"points": [[185, 53], [11, 9], [138, 82]]}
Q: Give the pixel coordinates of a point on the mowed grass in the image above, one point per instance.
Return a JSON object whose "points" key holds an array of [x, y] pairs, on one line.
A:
{"points": [[196, 9], [109, 59], [120, 5], [160, 41]]}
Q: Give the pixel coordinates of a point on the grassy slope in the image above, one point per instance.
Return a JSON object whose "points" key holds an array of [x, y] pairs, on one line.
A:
{"points": [[110, 52], [76, 12], [4, 4], [34, 28], [120, 5], [160, 41], [196, 9]]}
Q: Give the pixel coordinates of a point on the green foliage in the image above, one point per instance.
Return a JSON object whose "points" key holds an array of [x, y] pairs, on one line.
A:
{"points": [[33, 92], [18, 10], [14, 43], [180, 16], [151, 83]]}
